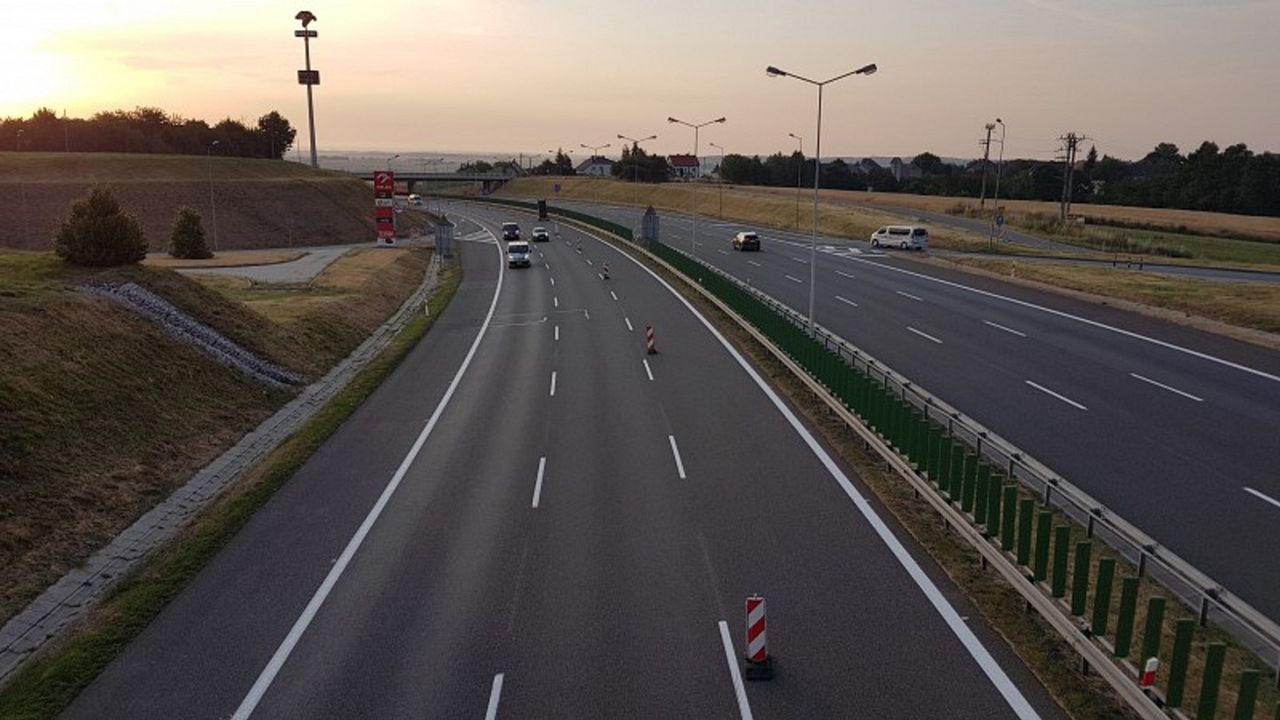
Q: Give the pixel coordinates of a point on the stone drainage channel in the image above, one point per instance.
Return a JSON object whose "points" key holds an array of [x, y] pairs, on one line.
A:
{"points": [[77, 592]]}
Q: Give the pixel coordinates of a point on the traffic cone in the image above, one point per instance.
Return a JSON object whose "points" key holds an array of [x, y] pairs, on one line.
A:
{"points": [[757, 665]]}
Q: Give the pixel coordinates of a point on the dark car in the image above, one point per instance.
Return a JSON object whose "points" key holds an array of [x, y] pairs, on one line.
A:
{"points": [[510, 231], [746, 241]]}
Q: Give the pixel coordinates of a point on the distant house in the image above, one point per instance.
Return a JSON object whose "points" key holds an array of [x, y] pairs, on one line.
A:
{"points": [[684, 167], [596, 166], [904, 171], [866, 166]]}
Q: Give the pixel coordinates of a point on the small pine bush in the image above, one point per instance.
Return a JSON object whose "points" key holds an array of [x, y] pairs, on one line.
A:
{"points": [[97, 233], [188, 236]]}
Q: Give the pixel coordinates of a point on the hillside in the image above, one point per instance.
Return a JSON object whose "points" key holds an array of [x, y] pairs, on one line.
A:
{"points": [[260, 203]]}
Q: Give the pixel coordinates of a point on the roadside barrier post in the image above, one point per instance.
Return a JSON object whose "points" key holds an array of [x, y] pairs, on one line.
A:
{"points": [[1061, 547], [995, 484], [1247, 698], [1178, 663], [1147, 679], [1026, 512], [1151, 635], [1124, 622], [970, 482], [650, 345], [757, 665], [981, 501], [1102, 596], [935, 447], [1212, 679], [957, 472], [1044, 524], [1010, 507], [1080, 578]]}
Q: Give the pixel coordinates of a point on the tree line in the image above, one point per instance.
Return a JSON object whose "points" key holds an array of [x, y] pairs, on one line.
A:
{"points": [[1233, 180], [147, 130]]}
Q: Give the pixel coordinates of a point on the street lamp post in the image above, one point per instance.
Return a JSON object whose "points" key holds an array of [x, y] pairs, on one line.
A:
{"points": [[634, 162], [817, 167], [306, 17], [799, 172], [720, 179], [213, 206], [393, 157], [693, 243], [999, 166]]}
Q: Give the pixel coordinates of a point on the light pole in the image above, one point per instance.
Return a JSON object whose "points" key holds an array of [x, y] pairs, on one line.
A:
{"points": [[635, 163], [693, 243], [817, 166], [213, 206], [999, 166], [310, 78], [595, 151], [720, 179], [17, 143], [799, 172], [393, 157]]}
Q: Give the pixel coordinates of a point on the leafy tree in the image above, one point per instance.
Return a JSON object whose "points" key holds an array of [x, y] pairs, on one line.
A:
{"points": [[97, 233], [478, 166], [636, 162], [188, 240], [929, 164], [278, 133]]}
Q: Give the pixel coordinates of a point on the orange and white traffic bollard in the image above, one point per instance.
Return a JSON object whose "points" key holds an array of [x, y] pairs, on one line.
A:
{"points": [[650, 347], [757, 665], [1149, 673]]}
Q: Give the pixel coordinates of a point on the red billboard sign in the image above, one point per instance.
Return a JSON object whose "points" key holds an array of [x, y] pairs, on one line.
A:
{"points": [[384, 212]]}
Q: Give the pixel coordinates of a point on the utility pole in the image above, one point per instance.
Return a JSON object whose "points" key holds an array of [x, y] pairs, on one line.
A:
{"points": [[986, 155], [1070, 142]]}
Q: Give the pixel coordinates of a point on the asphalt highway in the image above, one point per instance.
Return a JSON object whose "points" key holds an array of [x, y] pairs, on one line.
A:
{"points": [[1173, 428], [534, 518]]}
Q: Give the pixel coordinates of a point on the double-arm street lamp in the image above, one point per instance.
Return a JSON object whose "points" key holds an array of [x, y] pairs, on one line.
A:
{"points": [[697, 172], [799, 172], [817, 165], [635, 162]]}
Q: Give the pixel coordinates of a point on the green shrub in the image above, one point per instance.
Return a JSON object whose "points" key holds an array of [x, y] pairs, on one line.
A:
{"points": [[98, 234], [188, 236]]}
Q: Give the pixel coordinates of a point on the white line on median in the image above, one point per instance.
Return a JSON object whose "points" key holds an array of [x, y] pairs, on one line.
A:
{"points": [[1009, 330], [924, 335], [613, 294], [846, 301], [675, 452], [277, 661], [909, 295], [802, 261], [553, 383], [753, 262], [649, 372], [553, 280], [722, 252], [1166, 387], [555, 301], [845, 274], [1263, 497], [557, 333], [744, 708], [589, 261], [494, 695], [537, 484], [794, 279], [1063, 398], [629, 328]]}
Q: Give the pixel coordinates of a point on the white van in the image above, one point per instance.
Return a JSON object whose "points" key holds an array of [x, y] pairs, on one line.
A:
{"points": [[907, 237]]}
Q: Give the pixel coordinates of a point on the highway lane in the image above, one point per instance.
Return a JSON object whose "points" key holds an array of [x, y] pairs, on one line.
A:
{"points": [[1173, 428], [565, 543]]}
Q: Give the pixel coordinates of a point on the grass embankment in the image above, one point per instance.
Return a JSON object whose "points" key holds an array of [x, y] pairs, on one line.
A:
{"points": [[260, 203], [49, 683], [230, 258], [102, 414]]}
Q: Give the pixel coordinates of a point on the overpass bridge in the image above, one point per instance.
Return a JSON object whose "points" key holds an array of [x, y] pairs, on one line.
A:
{"points": [[490, 181]]}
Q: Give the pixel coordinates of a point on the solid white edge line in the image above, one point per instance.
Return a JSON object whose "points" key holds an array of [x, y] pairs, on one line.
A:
{"points": [[794, 279], [1009, 330], [924, 335], [537, 484], [744, 708], [1262, 496], [553, 383], [647, 370], [1167, 387], [909, 295], [675, 452], [629, 328], [958, 627], [846, 301], [495, 695], [1077, 318], [268, 674], [1063, 398]]}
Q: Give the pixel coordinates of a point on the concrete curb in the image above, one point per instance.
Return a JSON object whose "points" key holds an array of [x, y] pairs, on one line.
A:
{"points": [[72, 596]]}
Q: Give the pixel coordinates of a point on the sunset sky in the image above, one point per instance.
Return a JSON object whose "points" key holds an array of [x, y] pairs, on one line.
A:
{"points": [[524, 76]]}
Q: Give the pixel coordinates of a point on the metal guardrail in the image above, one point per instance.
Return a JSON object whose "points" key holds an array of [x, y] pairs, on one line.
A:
{"points": [[1255, 630]]}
